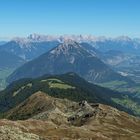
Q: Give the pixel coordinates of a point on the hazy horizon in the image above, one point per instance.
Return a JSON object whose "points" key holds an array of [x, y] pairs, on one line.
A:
{"points": [[26, 36]]}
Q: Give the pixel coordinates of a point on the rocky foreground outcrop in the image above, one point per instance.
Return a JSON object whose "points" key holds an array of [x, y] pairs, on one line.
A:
{"points": [[58, 119], [15, 133]]}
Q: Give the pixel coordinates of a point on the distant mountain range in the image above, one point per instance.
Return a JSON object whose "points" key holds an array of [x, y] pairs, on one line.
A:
{"points": [[28, 49], [69, 56], [120, 54], [35, 45]]}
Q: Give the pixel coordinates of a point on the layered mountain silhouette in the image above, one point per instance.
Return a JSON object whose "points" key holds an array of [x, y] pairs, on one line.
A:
{"points": [[69, 56]]}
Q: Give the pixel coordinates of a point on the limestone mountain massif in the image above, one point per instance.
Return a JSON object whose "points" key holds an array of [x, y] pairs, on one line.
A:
{"points": [[69, 56]]}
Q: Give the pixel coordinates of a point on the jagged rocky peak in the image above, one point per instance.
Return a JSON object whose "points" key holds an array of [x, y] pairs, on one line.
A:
{"points": [[68, 43], [38, 37], [34, 37], [66, 47], [63, 38]]}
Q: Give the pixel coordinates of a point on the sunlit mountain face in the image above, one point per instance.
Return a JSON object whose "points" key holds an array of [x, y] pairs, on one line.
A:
{"points": [[69, 70], [69, 56], [111, 62]]}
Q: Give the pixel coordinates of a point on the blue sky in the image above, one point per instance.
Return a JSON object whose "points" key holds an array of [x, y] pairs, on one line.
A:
{"points": [[98, 17]]}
